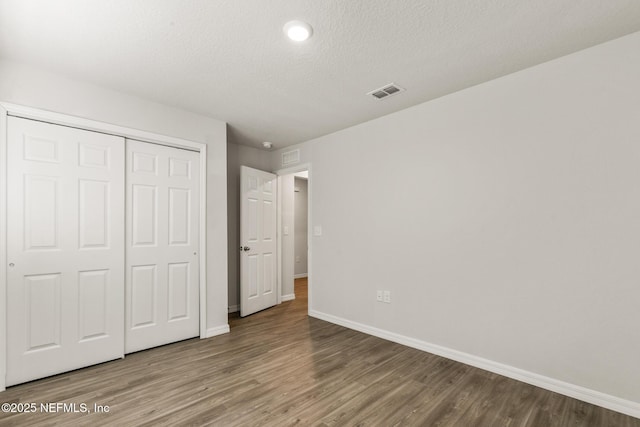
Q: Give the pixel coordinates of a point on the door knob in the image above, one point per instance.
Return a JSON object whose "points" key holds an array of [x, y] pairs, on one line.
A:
{"points": [[246, 248]]}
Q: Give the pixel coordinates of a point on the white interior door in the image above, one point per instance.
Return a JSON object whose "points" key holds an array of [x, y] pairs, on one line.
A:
{"points": [[65, 306], [162, 268], [258, 268]]}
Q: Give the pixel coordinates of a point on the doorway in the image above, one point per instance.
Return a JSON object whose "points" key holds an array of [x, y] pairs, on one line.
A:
{"points": [[294, 224], [300, 225]]}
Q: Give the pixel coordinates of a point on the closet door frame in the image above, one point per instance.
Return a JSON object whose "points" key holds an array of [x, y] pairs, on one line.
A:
{"points": [[6, 110]]}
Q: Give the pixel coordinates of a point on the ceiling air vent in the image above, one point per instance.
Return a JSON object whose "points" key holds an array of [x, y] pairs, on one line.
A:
{"points": [[290, 157], [386, 91]]}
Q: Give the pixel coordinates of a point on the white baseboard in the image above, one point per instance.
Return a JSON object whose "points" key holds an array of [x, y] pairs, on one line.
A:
{"points": [[216, 330], [288, 297], [299, 276], [614, 403], [234, 308]]}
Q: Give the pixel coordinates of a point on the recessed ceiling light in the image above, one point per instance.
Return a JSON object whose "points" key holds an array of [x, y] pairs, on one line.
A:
{"points": [[297, 30]]}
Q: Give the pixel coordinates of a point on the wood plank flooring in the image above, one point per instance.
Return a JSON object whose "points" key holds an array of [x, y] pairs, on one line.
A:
{"points": [[280, 367]]}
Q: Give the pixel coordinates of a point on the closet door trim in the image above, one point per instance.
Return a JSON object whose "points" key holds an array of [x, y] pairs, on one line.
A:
{"points": [[7, 109]]}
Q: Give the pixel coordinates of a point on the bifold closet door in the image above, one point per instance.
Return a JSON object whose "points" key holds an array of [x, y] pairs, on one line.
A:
{"points": [[65, 292], [162, 286]]}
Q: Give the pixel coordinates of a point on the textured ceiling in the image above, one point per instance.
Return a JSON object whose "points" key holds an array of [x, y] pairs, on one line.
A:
{"points": [[229, 59]]}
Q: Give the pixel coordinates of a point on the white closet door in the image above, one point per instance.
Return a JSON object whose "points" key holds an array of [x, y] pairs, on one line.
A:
{"points": [[65, 294], [162, 291]]}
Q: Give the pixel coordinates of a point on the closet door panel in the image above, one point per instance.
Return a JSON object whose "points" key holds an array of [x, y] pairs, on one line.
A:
{"points": [[162, 294], [65, 293]]}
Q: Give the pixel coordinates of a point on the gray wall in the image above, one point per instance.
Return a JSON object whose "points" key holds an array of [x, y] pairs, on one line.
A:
{"points": [[36, 88], [504, 219], [238, 155], [300, 228]]}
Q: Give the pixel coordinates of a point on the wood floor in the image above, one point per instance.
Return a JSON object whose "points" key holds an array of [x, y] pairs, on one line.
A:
{"points": [[280, 367]]}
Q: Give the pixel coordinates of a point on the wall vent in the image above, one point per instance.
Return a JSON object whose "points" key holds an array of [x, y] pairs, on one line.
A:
{"points": [[290, 157], [386, 91]]}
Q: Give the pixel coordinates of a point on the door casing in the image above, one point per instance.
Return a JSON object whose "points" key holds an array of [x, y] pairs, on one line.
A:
{"points": [[287, 171]]}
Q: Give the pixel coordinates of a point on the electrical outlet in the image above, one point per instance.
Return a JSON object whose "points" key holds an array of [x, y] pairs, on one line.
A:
{"points": [[387, 297], [379, 296]]}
